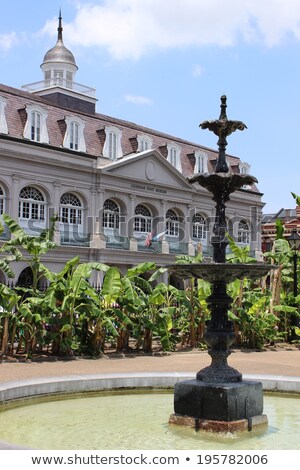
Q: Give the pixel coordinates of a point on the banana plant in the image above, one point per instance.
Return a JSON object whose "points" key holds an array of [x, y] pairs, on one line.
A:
{"points": [[190, 300], [68, 298], [134, 299], [117, 295], [28, 248], [257, 324], [239, 254], [8, 320]]}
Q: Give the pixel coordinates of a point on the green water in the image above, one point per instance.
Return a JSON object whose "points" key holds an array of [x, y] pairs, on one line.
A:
{"points": [[137, 421]]}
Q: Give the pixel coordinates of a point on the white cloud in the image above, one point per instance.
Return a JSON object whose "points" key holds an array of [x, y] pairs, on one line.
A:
{"points": [[7, 41], [198, 70], [138, 99], [131, 28]]}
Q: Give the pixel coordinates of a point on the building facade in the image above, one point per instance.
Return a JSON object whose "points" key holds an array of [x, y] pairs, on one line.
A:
{"points": [[290, 219], [120, 190]]}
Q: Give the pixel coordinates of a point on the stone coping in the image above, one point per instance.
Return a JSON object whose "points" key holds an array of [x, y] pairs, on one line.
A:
{"points": [[41, 386]]}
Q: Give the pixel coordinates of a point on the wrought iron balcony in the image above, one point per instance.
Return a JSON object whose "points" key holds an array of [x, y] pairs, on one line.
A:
{"points": [[154, 247], [178, 247], [75, 239], [117, 242]]}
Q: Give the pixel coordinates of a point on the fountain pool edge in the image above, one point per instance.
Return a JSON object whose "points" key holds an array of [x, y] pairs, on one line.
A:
{"points": [[15, 390]]}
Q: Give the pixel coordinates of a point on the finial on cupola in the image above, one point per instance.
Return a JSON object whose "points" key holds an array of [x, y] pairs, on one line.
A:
{"points": [[60, 28]]}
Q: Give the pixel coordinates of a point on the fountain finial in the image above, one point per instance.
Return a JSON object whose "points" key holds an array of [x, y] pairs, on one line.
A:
{"points": [[223, 115], [222, 127]]}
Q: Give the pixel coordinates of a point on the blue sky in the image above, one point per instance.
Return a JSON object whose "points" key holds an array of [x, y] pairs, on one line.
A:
{"points": [[165, 64]]}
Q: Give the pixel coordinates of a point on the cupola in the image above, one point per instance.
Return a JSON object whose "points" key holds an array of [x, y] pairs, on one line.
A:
{"points": [[59, 64], [59, 68]]}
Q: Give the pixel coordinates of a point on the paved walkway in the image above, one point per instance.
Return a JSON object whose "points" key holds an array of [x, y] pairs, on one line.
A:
{"points": [[278, 362]]}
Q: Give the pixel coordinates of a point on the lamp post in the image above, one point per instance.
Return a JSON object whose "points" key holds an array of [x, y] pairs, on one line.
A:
{"points": [[294, 242]]}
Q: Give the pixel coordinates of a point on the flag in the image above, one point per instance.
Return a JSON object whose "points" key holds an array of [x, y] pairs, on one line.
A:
{"points": [[148, 241], [150, 238], [157, 237]]}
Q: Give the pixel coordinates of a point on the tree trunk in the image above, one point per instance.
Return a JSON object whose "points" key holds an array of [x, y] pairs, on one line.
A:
{"points": [[148, 337], [276, 287], [123, 340], [5, 336]]}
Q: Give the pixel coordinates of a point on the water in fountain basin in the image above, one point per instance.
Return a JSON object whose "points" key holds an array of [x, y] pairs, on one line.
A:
{"points": [[137, 421]]}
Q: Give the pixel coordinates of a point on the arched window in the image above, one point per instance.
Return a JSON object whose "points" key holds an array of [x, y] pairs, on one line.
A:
{"points": [[172, 223], [243, 232], [31, 204], [2, 201], [70, 209], [199, 227], [71, 221], [111, 215], [142, 219]]}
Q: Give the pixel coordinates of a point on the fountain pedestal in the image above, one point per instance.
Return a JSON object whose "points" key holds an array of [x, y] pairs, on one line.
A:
{"points": [[218, 407], [218, 399]]}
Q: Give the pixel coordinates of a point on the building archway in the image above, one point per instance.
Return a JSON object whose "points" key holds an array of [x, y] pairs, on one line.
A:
{"points": [[25, 278]]}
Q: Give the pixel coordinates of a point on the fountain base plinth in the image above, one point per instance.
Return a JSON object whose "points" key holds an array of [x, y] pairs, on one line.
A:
{"points": [[222, 402], [219, 426]]}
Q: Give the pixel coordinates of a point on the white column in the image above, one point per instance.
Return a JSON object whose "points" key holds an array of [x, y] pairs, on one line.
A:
{"points": [[15, 193], [165, 249], [55, 203], [131, 216], [98, 238]]}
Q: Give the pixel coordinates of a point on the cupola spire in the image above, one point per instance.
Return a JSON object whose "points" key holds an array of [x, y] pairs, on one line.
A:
{"points": [[60, 28]]}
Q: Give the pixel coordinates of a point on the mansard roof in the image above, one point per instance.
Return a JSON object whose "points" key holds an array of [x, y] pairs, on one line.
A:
{"points": [[17, 100]]}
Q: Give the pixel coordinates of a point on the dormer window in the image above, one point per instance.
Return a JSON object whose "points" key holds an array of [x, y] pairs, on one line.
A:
{"points": [[174, 156], [200, 162], [112, 147], [74, 137], [144, 143], [3, 125], [35, 127], [244, 168]]}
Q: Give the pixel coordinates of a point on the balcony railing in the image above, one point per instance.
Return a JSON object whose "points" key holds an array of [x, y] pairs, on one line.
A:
{"points": [[178, 247], [62, 83], [155, 247], [78, 239], [117, 242]]}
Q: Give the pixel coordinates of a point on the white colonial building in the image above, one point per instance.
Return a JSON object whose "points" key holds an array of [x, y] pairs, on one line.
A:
{"points": [[111, 182]]}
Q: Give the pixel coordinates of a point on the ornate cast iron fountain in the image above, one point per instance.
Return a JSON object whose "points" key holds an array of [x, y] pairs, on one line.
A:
{"points": [[218, 399]]}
